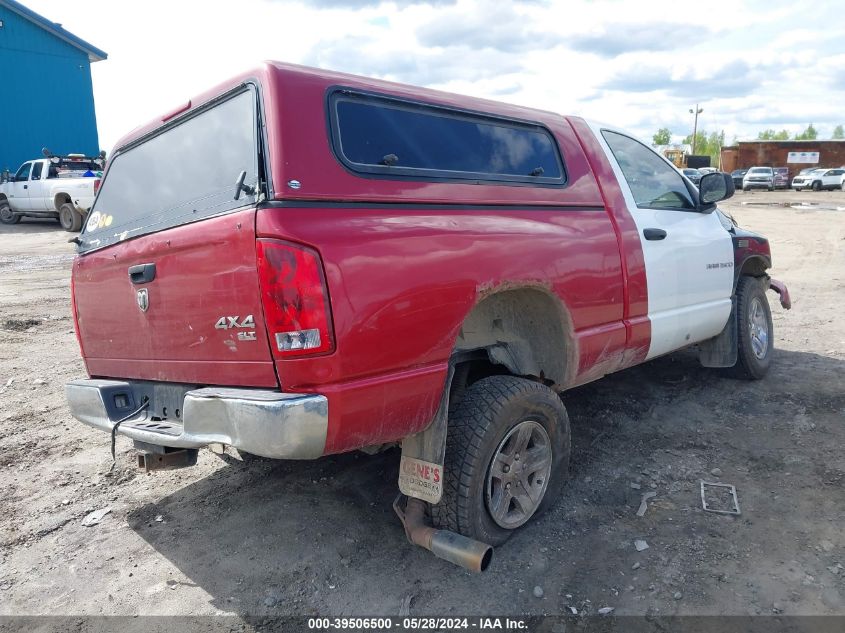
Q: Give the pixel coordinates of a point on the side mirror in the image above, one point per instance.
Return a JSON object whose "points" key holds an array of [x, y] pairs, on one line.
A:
{"points": [[714, 187]]}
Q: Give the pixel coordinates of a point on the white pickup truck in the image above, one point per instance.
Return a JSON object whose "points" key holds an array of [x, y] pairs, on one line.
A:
{"points": [[61, 187]]}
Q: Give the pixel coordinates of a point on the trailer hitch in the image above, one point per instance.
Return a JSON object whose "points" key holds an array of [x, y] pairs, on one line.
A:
{"points": [[153, 457]]}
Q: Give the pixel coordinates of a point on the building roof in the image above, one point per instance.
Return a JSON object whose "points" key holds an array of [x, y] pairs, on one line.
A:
{"points": [[94, 53]]}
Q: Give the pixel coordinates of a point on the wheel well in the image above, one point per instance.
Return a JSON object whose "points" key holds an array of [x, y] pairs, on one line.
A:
{"points": [[754, 266], [520, 331], [60, 199], [3, 197]]}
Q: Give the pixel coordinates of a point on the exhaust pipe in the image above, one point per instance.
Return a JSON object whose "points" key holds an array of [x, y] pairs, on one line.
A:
{"points": [[449, 546]]}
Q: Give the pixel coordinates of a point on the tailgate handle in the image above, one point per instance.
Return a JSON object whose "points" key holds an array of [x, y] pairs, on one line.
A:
{"points": [[142, 273]]}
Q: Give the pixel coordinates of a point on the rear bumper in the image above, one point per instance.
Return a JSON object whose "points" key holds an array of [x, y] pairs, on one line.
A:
{"points": [[262, 422]]}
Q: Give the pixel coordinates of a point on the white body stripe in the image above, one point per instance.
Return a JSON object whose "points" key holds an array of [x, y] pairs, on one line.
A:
{"points": [[689, 272]]}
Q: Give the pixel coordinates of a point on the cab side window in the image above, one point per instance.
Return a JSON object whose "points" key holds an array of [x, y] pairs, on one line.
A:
{"points": [[23, 172], [654, 183], [36, 171]]}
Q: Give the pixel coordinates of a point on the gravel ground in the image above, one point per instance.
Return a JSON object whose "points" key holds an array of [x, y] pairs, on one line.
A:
{"points": [[320, 537]]}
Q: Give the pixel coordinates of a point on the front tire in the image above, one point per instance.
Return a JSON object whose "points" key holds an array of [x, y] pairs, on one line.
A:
{"points": [[507, 455], [817, 186], [755, 334], [69, 218], [6, 215]]}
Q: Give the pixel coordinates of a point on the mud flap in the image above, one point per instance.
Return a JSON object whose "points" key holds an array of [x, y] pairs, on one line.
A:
{"points": [[423, 454], [721, 350]]}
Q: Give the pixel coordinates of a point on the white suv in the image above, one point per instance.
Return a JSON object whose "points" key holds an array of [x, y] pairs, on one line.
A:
{"points": [[819, 179], [762, 177]]}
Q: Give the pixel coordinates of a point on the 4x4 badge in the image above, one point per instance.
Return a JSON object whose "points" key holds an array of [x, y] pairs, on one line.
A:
{"points": [[143, 298]]}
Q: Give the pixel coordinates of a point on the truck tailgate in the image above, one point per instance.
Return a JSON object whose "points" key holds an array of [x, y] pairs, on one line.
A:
{"points": [[198, 320]]}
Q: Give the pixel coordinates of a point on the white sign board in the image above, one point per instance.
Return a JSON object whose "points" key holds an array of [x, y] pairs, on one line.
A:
{"points": [[803, 157]]}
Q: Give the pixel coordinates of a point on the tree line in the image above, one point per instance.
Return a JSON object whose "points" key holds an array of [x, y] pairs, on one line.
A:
{"points": [[710, 144]]}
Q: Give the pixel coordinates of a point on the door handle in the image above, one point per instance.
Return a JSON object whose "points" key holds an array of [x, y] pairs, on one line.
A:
{"points": [[142, 273], [654, 234], [26, 186]]}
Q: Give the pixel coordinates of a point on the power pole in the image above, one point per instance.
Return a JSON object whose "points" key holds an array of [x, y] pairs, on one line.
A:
{"points": [[696, 112]]}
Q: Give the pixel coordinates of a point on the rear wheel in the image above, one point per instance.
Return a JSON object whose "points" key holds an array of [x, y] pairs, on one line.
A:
{"points": [[507, 454], [6, 215], [843, 185], [755, 334], [69, 218]]}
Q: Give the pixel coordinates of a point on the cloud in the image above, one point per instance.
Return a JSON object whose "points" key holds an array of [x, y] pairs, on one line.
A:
{"points": [[734, 79], [497, 27], [619, 38], [355, 5], [360, 55]]}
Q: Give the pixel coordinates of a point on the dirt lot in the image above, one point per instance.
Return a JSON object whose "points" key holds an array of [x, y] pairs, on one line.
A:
{"points": [[320, 537]]}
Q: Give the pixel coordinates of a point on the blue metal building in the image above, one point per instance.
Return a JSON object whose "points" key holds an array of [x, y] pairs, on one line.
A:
{"points": [[45, 78]]}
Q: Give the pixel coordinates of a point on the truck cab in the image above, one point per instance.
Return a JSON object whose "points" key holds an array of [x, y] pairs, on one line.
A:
{"points": [[25, 189]]}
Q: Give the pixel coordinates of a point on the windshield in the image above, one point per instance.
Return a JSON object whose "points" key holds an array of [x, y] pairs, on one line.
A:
{"points": [[761, 170], [181, 175]]}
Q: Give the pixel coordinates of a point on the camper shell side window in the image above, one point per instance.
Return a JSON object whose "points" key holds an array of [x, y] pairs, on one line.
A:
{"points": [[383, 136]]}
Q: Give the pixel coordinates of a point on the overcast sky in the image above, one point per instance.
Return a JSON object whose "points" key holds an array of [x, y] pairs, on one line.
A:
{"points": [[750, 65]]}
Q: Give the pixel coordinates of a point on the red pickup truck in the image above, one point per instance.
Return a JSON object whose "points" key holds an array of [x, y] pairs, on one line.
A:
{"points": [[301, 262]]}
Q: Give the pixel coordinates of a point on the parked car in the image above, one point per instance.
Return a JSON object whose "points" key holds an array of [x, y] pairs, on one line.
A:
{"points": [[61, 187], [693, 174], [781, 180], [759, 178], [737, 175], [819, 179], [349, 290]]}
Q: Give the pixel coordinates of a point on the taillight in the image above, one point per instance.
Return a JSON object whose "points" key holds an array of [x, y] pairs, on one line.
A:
{"points": [[96, 185], [295, 299]]}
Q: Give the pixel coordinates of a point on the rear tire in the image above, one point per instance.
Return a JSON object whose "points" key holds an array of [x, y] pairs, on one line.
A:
{"points": [[6, 215], [69, 218], [755, 340], [507, 455]]}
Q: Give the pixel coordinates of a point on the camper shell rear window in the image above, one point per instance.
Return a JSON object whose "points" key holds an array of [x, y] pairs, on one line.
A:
{"points": [[184, 172], [388, 137]]}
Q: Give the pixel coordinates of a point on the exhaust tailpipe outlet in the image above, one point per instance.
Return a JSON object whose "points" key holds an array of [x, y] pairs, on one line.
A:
{"points": [[449, 546], [460, 550]]}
